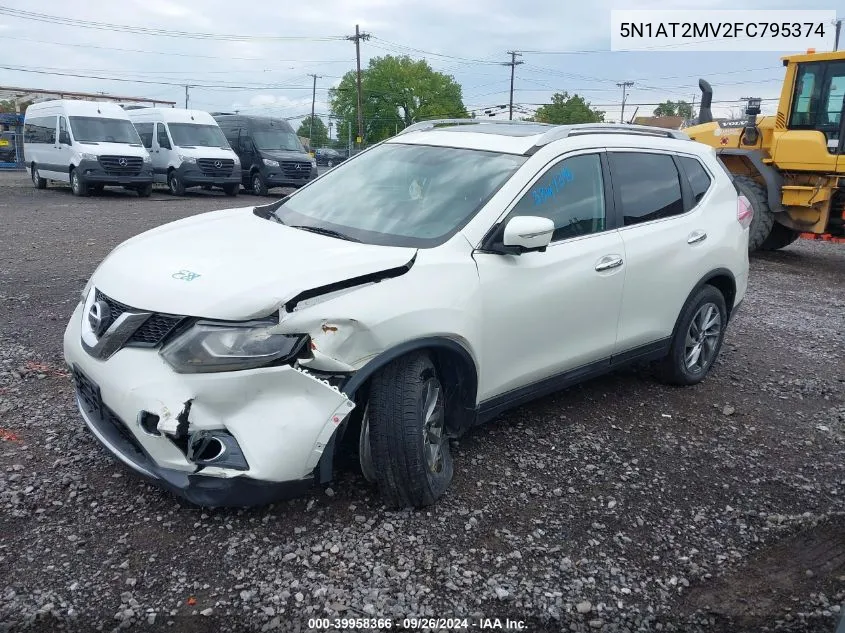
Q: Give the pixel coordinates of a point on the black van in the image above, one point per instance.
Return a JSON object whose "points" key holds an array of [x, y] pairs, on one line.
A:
{"points": [[270, 152]]}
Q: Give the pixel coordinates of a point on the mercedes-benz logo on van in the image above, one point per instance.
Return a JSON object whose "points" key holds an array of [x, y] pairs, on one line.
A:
{"points": [[121, 161], [99, 316], [218, 164], [298, 167]]}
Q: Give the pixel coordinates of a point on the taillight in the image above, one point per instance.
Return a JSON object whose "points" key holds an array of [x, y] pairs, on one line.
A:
{"points": [[744, 212]]}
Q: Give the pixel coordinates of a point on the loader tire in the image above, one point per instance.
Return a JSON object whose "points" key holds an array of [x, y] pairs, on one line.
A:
{"points": [[780, 237], [764, 219]]}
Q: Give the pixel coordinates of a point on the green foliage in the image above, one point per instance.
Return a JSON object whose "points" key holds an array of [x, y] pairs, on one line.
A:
{"points": [[672, 108], [565, 110], [320, 135], [396, 92]]}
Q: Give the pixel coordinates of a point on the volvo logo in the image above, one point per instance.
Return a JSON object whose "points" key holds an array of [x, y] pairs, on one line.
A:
{"points": [[99, 317], [218, 164], [121, 161]]}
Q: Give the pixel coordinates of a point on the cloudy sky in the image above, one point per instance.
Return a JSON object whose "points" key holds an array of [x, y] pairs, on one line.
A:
{"points": [[265, 66]]}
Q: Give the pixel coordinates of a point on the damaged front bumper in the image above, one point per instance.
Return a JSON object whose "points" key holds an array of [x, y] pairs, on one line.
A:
{"points": [[269, 427]]}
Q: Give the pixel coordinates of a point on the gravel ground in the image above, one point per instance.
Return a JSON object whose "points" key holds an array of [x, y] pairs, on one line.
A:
{"points": [[619, 505]]}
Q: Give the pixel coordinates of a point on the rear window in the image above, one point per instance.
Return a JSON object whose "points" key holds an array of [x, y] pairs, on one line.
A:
{"points": [[699, 179]]}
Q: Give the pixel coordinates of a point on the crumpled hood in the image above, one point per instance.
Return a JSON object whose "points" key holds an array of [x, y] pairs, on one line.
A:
{"points": [[232, 265]]}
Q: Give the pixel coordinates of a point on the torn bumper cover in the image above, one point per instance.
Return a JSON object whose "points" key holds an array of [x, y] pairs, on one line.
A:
{"points": [[239, 438]]}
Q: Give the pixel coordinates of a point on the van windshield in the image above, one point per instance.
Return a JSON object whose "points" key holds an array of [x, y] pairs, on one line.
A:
{"points": [[194, 134], [276, 140], [89, 129]]}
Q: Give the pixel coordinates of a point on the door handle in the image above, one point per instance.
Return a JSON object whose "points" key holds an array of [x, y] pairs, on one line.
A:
{"points": [[696, 236], [607, 262]]}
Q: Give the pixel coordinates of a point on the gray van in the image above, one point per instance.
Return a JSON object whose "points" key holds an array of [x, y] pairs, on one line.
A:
{"points": [[270, 152]]}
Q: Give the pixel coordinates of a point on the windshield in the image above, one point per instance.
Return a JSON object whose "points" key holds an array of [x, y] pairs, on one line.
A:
{"points": [[269, 139], [99, 130], [401, 195], [194, 134]]}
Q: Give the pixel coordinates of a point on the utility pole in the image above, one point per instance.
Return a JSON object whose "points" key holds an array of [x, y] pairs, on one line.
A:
{"points": [[357, 39], [513, 64], [838, 24], [313, 99], [624, 85], [186, 96]]}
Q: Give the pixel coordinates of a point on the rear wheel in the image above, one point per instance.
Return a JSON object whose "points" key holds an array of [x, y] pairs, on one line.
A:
{"points": [[259, 186], [697, 340], [231, 190], [780, 237], [764, 219], [37, 180], [406, 424], [77, 184], [175, 184]]}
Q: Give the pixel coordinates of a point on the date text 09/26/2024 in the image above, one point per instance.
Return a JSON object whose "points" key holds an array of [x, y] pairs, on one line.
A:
{"points": [[415, 624]]}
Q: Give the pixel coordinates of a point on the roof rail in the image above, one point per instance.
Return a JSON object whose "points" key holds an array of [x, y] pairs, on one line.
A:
{"points": [[565, 131], [428, 125]]}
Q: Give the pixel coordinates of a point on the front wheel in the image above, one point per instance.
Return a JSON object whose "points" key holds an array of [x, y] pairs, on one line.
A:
{"points": [[406, 423], [175, 184], [231, 190], [697, 340], [145, 191], [259, 186], [77, 185], [37, 180]]}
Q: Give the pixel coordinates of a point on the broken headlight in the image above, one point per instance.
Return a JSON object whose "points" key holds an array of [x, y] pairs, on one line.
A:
{"points": [[210, 347]]}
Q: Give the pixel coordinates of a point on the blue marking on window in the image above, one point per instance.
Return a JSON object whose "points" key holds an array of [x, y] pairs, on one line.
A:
{"points": [[544, 193]]}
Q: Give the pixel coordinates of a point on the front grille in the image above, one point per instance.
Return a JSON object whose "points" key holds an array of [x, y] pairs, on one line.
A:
{"points": [[121, 165], [289, 169], [209, 167], [152, 332]]}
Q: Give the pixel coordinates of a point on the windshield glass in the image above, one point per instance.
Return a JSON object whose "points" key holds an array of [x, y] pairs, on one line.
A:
{"points": [[269, 139], [194, 134], [401, 195], [100, 130]]}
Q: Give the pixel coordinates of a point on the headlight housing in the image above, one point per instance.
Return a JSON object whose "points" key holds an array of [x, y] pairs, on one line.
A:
{"points": [[313, 162], [87, 156], [147, 158], [187, 159], [270, 163], [212, 347]]}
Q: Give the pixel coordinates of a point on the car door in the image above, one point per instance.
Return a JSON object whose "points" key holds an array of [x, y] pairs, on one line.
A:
{"points": [[64, 144], [670, 241], [161, 153], [554, 313], [51, 163]]}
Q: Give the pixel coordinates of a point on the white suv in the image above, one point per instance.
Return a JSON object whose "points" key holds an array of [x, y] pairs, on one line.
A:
{"points": [[420, 288]]}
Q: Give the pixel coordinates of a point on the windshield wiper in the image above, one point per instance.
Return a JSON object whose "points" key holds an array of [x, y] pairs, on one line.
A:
{"points": [[324, 231]]}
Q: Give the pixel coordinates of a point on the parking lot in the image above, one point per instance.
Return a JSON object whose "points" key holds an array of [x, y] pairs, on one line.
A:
{"points": [[620, 505]]}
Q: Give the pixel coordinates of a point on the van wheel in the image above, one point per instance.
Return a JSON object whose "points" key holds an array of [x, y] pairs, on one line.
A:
{"points": [[37, 180], [330, 163], [407, 428], [77, 184], [145, 191], [175, 184], [764, 218], [697, 339], [231, 190], [259, 187]]}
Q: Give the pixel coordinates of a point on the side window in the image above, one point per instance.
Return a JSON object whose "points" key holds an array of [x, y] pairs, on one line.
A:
{"points": [[699, 179], [64, 135], [571, 193], [163, 141], [805, 101], [648, 186], [145, 131], [40, 130], [50, 129]]}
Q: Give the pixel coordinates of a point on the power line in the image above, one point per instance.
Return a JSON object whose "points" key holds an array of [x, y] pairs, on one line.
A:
{"points": [[403, 47], [139, 30]]}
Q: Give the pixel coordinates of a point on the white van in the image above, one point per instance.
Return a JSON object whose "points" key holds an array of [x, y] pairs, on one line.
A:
{"points": [[89, 144], [188, 149]]}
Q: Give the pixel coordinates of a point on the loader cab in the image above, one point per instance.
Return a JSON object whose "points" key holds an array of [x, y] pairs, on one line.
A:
{"points": [[817, 97]]}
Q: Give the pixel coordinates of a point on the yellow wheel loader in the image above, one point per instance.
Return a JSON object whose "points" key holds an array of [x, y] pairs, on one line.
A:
{"points": [[790, 166]]}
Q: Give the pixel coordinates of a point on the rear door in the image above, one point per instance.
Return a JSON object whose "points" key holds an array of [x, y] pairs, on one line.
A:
{"points": [[671, 239]]}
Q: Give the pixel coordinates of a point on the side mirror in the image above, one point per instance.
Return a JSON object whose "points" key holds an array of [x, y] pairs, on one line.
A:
{"points": [[64, 138], [528, 233]]}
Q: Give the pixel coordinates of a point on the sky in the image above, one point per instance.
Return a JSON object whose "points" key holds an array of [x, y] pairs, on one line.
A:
{"points": [[262, 55]]}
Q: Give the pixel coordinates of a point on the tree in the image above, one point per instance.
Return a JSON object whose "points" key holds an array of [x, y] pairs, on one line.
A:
{"points": [[8, 106], [564, 110], [672, 108], [395, 93], [320, 135]]}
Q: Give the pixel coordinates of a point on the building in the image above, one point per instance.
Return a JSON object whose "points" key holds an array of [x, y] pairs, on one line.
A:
{"points": [[668, 122]]}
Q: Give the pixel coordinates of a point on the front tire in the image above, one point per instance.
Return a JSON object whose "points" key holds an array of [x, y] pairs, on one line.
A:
{"points": [[231, 190], [259, 186], [175, 184], [37, 180], [77, 184], [764, 218], [697, 339], [407, 428], [145, 191]]}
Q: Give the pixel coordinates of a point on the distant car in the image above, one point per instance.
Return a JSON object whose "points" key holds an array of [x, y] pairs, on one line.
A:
{"points": [[329, 157], [7, 148]]}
